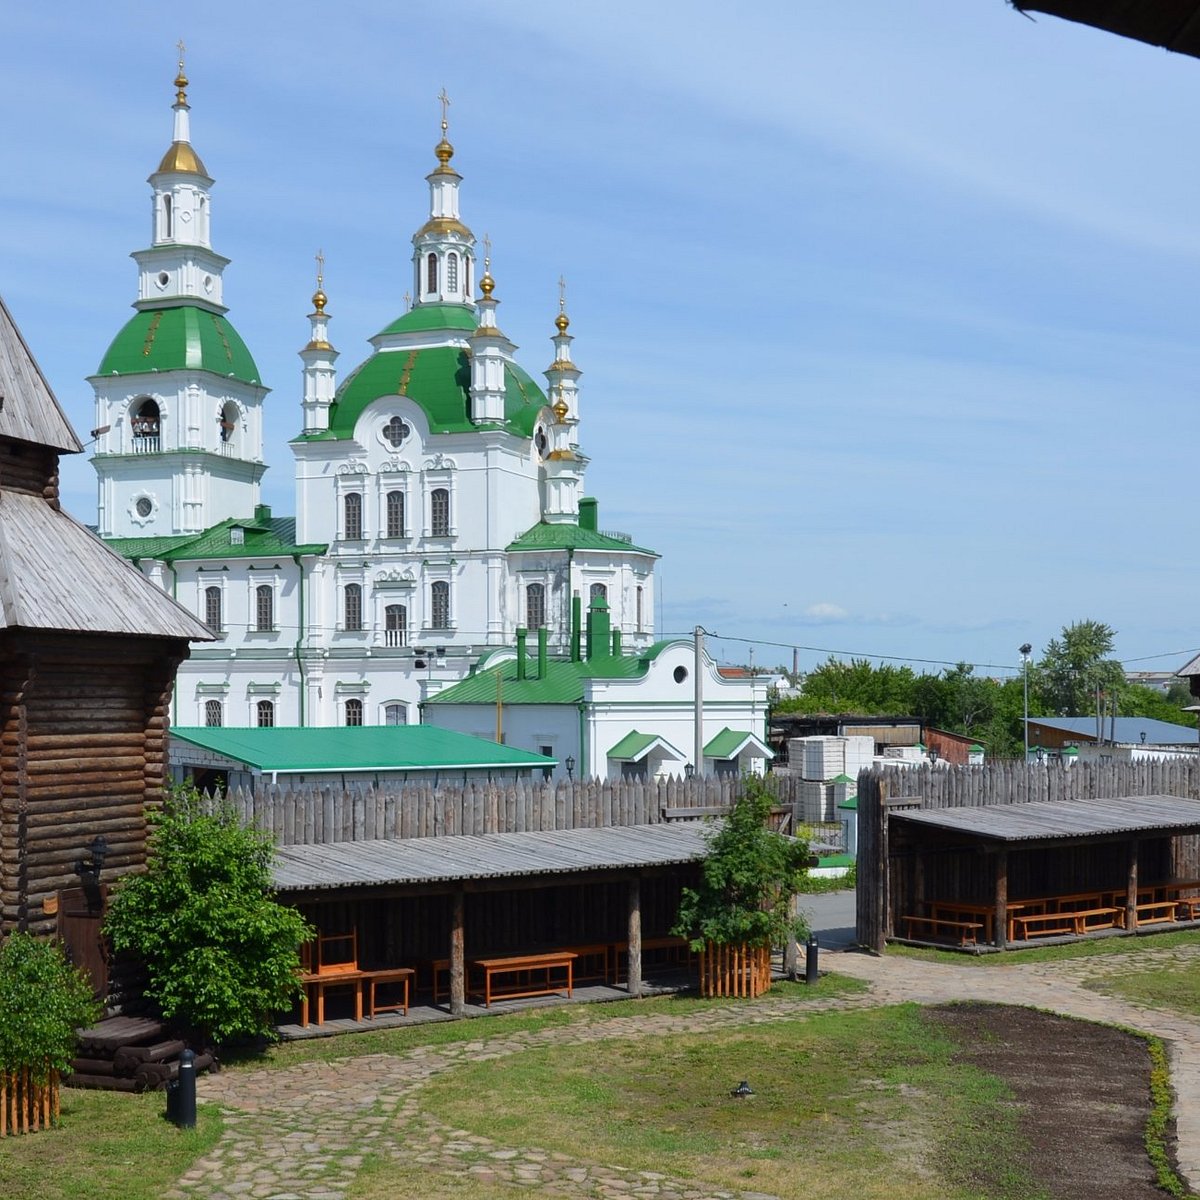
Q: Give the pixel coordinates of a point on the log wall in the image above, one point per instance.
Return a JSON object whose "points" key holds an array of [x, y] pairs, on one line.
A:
{"points": [[25, 467], [1003, 783]]}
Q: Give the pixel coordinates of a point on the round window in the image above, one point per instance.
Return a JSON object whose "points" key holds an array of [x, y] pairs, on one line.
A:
{"points": [[144, 506], [208, 283], [394, 432], [540, 442], [163, 279], [680, 674]]}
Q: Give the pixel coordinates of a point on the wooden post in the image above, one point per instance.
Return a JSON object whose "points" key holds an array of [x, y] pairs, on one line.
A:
{"points": [[634, 979], [1131, 886], [458, 966], [1000, 917], [791, 949]]}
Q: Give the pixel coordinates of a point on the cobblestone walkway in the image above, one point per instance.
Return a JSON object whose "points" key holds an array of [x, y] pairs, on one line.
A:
{"points": [[302, 1133]]}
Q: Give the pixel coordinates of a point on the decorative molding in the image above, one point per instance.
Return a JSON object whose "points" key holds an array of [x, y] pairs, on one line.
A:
{"points": [[353, 466], [440, 462]]}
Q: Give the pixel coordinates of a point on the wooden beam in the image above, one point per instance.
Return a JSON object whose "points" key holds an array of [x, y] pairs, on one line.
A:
{"points": [[458, 965], [1000, 916], [1131, 885], [635, 936]]}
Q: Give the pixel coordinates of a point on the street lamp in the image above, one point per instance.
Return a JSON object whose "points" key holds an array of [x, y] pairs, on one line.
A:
{"points": [[569, 763], [1024, 652]]}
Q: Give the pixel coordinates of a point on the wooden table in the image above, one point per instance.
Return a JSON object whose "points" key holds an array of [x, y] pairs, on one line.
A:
{"points": [[525, 967], [321, 981], [391, 975]]}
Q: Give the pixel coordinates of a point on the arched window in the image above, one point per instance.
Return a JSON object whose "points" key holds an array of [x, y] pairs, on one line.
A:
{"points": [[395, 621], [213, 716], [264, 608], [352, 516], [535, 605], [466, 276], [439, 512], [168, 222], [395, 514], [265, 712], [146, 424], [227, 426], [353, 606], [212, 608], [452, 272], [431, 273], [395, 714], [639, 609], [354, 711], [439, 605], [598, 592]]}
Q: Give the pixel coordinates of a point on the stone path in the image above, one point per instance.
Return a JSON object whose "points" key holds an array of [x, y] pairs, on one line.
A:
{"points": [[303, 1132]]}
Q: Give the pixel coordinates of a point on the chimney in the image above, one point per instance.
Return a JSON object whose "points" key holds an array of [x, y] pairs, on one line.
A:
{"points": [[599, 638], [522, 634], [589, 514], [616, 643], [576, 623], [543, 634]]}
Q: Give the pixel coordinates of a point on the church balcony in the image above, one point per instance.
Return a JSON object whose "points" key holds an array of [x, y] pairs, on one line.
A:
{"points": [[226, 449], [147, 445], [395, 637]]}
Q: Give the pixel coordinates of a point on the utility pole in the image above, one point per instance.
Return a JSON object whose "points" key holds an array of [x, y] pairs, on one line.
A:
{"points": [[698, 683], [1024, 652]]}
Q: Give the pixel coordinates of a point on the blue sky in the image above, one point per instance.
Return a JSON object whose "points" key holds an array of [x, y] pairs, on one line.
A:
{"points": [[886, 310]]}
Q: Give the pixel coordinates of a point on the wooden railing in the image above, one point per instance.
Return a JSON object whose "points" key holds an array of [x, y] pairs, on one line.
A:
{"points": [[25, 1104], [736, 970]]}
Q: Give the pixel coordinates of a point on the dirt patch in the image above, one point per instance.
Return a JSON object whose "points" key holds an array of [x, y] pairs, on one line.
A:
{"points": [[1084, 1092]]}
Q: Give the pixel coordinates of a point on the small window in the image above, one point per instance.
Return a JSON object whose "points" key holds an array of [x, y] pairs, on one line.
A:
{"points": [[227, 423], [395, 620], [354, 711], [466, 276], [264, 711], [212, 609], [395, 714], [395, 431], [144, 506], [452, 272], [679, 674], [439, 512], [146, 425], [535, 605], [264, 608], [598, 592], [213, 716], [395, 514], [431, 273], [352, 511], [353, 606], [439, 605], [639, 609], [168, 222], [539, 440]]}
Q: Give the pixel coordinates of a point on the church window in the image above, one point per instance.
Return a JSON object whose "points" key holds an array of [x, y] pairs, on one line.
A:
{"points": [[540, 442], [168, 223], [395, 714], [264, 712], [395, 514], [264, 608], [639, 609], [226, 424], [395, 620], [144, 506], [395, 431], [439, 512], [431, 273], [466, 276], [352, 602], [352, 510], [439, 605], [146, 425], [213, 715], [452, 272], [212, 608], [354, 711], [535, 605], [598, 592]]}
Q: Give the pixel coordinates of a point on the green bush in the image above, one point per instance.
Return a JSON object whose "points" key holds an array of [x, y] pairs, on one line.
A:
{"points": [[747, 881], [222, 955], [43, 1000]]}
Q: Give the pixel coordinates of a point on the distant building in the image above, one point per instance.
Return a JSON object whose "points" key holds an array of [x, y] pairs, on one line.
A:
{"points": [[1142, 733]]}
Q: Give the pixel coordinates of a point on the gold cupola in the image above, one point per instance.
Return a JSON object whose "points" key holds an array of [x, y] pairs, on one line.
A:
{"points": [[180, 157]]}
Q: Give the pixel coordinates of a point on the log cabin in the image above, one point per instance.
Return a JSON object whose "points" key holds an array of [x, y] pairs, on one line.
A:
{"points": [[88, 654]]}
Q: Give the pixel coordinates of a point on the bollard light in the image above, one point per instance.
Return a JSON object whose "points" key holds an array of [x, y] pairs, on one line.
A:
{"points": [[811, 952], [181, 1093]]}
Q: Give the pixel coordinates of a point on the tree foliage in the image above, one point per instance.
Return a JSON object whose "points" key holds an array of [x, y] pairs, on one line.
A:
{"points": [[221, 953], [747, 881], [1074, 666], [43, 1001]]}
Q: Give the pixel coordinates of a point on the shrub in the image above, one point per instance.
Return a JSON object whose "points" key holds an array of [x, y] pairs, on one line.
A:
{"points": [[43, 1000], [221, 954], [747, 881]]}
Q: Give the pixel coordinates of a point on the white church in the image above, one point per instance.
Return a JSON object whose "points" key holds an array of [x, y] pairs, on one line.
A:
{"points": [[439, 487]]}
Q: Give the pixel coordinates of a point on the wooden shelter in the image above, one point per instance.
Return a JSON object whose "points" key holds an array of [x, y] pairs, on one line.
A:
{"points": [[88, 652]]}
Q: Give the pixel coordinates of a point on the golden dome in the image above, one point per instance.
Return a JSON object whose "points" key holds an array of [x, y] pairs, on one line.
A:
{"points": [[487, 284], [181, 157], [320, 300], [560, 410], [562, 321]]}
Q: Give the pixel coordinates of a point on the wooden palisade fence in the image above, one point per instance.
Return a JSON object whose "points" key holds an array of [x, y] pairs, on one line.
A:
{"points": [[25, 1104], [734, 970]]}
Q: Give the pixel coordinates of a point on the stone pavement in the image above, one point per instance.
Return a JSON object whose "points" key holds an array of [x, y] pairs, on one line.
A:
{"points": [[301, 1133]]}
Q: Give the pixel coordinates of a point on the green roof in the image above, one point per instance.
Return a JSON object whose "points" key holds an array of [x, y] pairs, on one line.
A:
{"points": [[425, 317], [359, 748], [438, 379], [564, 682], [851, 803], [841, 779], [544, 536], [262, 536], [730, 742], [172, 339], [634, 746]]}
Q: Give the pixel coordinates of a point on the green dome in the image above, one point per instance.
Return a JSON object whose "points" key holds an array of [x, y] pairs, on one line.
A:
{"points": [[434, 316], [173, 339], [438, 380]]}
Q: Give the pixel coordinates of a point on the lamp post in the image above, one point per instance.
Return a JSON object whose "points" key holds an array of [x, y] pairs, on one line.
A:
{"points": [[1024, 652], [569, 763]]}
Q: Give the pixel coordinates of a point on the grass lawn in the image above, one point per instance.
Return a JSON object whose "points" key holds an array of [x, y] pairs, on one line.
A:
{"points": [[1175, 987], [1083, 949], [110, 1146], [865, 1104]]}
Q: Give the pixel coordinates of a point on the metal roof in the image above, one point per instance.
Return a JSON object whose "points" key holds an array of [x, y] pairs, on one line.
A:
{"points": [[1129, 730], [1050, 819], [487, 856]]}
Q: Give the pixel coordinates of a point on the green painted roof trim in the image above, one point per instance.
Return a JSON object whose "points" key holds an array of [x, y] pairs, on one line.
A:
{"points": [[359, 748], [730, 742], [438, 380], [842, 779], [544, 536], [262, 538], [426, 317], [634, 746], [851, 803], [175, 339]]}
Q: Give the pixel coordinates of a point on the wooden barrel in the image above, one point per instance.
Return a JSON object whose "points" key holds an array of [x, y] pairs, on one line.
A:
{"points": [[25, 1104], [734, 970]]}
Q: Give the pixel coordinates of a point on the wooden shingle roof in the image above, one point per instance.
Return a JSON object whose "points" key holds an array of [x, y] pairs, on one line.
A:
{"points": [[29, 411], [1172, 24]]}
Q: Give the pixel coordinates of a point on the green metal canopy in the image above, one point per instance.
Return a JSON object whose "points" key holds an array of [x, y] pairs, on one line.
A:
{"points": [[173, 339], [634, 746]]}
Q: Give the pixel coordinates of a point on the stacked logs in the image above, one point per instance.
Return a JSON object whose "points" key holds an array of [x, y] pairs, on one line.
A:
{"points": [[129, 1054]]}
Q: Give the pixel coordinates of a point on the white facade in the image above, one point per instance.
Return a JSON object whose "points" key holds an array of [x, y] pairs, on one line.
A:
{"points": [[438, 488]]}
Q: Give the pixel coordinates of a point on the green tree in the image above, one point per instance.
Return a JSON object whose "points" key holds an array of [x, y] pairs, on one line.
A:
{"points": [[747, 880], [1139, 701], [854, 687], [43, 1000], [221, 953], [1074, 666]]}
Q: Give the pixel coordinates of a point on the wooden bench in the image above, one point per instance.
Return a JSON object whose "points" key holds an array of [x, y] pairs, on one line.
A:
{"points": [[1157, 912], [533, 975], [1101, 917], [594, 960], [388, 977], [1050, 923], [967, 931], [1187, 908]]}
